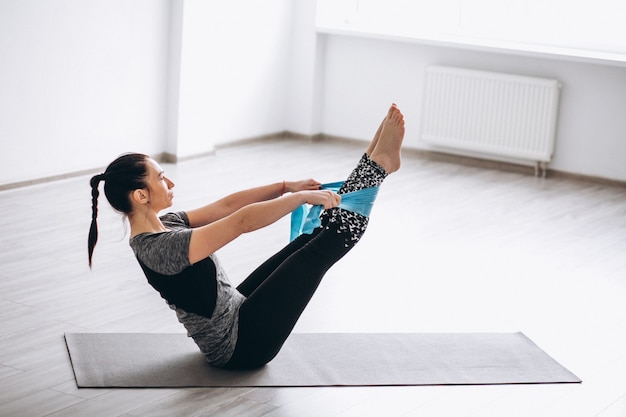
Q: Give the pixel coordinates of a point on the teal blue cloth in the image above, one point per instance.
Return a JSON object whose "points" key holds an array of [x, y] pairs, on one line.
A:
{"points": [[306, 218]]}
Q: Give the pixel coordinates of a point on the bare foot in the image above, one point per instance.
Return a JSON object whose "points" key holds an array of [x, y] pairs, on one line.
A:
{"points": [[374, 141], [387, 150]]}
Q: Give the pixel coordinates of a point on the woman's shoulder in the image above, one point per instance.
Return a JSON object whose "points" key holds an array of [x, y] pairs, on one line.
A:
{"points": [[163, 252], [178, 218]]}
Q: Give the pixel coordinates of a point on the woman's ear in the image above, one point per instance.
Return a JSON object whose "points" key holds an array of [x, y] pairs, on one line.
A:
{"points": [[140, 196]]}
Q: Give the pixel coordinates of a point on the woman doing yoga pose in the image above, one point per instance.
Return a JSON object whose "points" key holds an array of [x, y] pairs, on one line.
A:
{"points": [[242, 327]]}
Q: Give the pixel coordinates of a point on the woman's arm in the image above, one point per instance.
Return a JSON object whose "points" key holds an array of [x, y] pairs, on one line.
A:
{"points": [[233, 202], [207, 239]]}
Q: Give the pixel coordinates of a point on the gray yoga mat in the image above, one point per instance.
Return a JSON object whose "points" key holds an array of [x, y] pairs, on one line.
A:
{"points": [[318, 359]]}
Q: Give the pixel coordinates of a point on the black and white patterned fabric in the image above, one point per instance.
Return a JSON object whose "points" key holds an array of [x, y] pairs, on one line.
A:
{"points": [[366, 174]]}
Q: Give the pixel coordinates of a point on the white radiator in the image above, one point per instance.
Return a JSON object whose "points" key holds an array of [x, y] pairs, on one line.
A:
{"points": [[490, 113]]}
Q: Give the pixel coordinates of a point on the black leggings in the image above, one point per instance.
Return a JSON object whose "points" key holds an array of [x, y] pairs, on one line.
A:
{"points": [[279, 290]]}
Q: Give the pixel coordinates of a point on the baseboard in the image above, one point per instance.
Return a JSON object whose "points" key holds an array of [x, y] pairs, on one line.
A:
{"points": [[167, 157], [283, 135], [170, 158], [484, 163], [52, 178]]}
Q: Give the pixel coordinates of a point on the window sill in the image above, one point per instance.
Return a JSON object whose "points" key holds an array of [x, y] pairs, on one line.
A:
{"points": [[482, 45]]}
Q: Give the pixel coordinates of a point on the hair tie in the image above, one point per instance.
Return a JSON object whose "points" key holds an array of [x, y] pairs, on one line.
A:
{"points": [[95, 180]]}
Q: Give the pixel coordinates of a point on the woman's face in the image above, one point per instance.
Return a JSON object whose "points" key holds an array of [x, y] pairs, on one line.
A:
{"points": [[159, 187]]}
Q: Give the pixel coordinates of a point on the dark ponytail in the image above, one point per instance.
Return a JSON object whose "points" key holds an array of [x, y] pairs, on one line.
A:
{"points": [[124, 175], [93, 229]]}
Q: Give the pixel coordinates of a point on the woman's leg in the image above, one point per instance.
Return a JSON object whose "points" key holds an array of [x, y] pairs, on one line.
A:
{"points": [[259, 275], [269, 314], [276, 301]]}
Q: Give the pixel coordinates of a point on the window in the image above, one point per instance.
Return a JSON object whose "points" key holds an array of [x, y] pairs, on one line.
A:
{"points": [[583, 28]]}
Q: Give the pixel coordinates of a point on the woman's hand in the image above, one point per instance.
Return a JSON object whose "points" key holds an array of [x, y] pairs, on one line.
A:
{"points": [[302, 185], [310, 188], [325, 198]]}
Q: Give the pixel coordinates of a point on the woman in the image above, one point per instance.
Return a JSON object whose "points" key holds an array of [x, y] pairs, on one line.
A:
{"points": [[241, 327]]}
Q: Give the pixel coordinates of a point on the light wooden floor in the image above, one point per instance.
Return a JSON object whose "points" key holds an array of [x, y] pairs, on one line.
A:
{"points": [[449, 248]]}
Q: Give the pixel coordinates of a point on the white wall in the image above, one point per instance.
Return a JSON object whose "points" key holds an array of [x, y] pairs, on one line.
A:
{"points": [[362, 76], [234, 72], [80, 83], [306, 72], [83, 81]]}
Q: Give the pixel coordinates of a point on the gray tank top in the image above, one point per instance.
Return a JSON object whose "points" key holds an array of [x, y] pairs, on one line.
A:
{"points": [[167, 253]]}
